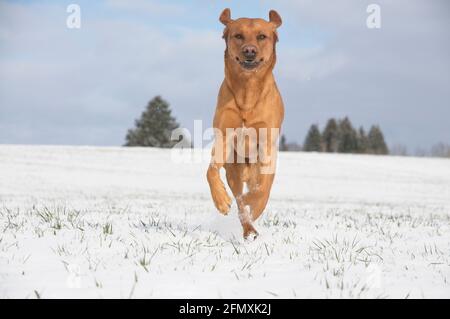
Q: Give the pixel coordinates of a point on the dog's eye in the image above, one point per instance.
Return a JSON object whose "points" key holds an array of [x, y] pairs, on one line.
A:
{"points": [[261, 37], [239, 36]]}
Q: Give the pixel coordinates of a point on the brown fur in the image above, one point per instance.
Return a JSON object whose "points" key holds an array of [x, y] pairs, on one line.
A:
{"points": [[247, 98]]}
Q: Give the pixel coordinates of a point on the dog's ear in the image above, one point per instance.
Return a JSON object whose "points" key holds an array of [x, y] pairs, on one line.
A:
{"points": [[225, 16], [275, 18]]}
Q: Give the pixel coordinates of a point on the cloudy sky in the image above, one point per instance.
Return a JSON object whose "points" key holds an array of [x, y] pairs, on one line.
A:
{"points": [[86, 86]]}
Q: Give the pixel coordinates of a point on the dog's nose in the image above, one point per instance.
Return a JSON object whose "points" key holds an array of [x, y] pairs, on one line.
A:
{"points": [[249, 52]]}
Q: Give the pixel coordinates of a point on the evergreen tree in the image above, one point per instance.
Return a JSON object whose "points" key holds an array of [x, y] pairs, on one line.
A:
{"points": [[313, 140], [376, 142], [363, 142], [330, 136], [155, 126], [283, 144], [348, 139]]}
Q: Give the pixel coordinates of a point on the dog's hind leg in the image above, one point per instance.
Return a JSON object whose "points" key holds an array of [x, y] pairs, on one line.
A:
{"points": [[262, 175], [235, 177], [259, 186], [237, 174]]}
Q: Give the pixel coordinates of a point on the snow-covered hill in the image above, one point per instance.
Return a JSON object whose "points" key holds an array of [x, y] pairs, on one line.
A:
{"points": [[130, 222]]}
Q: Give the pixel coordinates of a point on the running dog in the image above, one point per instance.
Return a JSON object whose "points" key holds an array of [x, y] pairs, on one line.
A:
{"points": [[248, 118]]}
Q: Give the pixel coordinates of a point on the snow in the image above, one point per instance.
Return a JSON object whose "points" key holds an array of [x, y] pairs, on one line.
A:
{"points": [[111, 222]]}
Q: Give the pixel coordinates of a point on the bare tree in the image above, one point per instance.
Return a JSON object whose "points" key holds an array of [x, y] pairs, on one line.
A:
{"points": [[440, 150], [399, 150]]}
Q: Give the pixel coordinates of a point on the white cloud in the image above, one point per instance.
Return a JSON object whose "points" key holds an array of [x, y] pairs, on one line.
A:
{"points": [[101, 76], [86, 86], [392, 76], [147, 6]]}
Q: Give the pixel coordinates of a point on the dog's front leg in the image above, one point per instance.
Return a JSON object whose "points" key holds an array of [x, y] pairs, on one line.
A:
{"points": [[222, 152], [219, 155]]}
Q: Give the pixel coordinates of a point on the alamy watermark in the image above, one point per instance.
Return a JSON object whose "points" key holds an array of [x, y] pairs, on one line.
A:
{"points": [[73, 20], [229, 145], [373, 20]]}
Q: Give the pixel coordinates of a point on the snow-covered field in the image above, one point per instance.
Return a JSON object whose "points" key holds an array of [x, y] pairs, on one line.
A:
{"points": [[104, 222]]}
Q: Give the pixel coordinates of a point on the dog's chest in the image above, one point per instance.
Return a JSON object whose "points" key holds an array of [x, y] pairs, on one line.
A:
{"points": [[252, 116], [246, 115]]}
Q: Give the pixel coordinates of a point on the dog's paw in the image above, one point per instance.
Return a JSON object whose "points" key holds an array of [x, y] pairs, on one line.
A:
{"points": [[250, 234], [222, 200]]}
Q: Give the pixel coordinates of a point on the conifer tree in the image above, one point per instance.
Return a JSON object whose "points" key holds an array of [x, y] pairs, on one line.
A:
{"points": [[363, 143], [348, 140], [330, 136], [283, 144], [376, 142], [154, 127], [313, 140]]}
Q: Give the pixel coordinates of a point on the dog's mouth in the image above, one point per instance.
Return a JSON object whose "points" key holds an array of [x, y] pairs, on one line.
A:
{"points": [[249, 64]]}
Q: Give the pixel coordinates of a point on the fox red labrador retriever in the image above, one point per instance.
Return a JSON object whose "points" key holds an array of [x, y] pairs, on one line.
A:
{"points": [[248, 118]]}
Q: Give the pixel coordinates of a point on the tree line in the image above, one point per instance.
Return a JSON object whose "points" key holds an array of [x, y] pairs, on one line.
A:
{"points": [[155, 125], [339, 136]]}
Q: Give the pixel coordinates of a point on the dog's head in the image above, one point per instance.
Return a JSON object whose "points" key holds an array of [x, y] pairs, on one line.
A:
{"points": [[250, 42]]}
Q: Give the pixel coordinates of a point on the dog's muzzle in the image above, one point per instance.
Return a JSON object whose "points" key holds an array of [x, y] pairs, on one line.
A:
{"points": [[249, 52], [250, 64]]}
